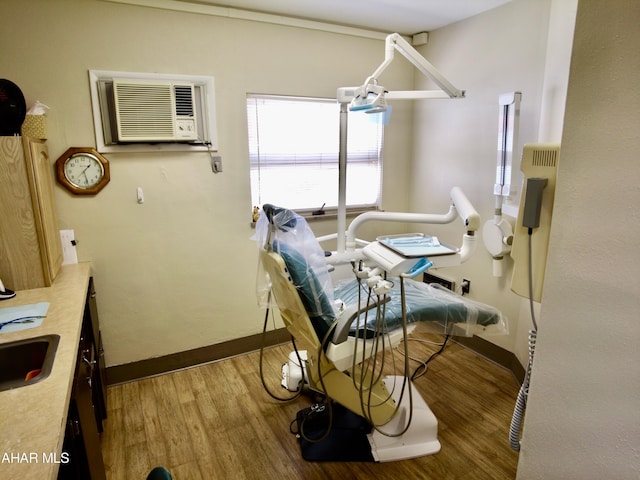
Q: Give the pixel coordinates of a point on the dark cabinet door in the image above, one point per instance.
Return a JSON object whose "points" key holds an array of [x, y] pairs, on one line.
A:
{"points": [[88, 406], [92, 331], [74, 465], [83, 395]]}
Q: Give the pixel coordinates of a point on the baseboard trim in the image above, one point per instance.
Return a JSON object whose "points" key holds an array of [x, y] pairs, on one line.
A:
{"points": [[495, 354], [176, 361]]}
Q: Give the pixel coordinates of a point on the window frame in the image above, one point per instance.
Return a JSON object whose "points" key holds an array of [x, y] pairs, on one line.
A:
{"points": [[368, 153]]}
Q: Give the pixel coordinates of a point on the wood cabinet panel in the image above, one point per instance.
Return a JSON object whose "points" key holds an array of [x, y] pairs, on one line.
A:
{"points": [[30, 248], [43, 199]]}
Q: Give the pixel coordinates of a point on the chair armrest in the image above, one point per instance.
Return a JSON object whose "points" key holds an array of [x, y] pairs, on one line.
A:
{"points": [[348, 315]]}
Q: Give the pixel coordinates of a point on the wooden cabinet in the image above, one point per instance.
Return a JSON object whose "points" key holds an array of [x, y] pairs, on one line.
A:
{"points": [[30, 248], [88, 407]]}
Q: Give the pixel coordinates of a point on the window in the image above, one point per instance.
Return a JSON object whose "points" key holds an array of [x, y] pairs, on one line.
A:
{"points": [[293, 148]]}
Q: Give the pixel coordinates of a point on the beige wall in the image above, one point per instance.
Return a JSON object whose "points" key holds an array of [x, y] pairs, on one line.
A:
{"points": [[178, 272], [455, 143], [582, 414]]}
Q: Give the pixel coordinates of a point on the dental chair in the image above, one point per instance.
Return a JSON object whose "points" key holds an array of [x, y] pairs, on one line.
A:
{"points": [[340, 340]]}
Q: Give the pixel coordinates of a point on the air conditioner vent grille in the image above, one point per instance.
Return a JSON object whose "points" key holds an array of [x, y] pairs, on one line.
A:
{"points": [[154, 111], [544, 158], [184, 100]]}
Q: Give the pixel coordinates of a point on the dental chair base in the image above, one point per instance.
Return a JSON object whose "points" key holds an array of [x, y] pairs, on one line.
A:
{"points": [[419, 440], [294, 374]]}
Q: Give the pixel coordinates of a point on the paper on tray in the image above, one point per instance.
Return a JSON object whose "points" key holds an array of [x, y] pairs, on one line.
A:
{"points": [[35, 312]]}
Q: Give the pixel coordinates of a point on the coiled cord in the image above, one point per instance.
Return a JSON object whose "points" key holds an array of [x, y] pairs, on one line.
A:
{"points": [[521, 401], [523, 393]]}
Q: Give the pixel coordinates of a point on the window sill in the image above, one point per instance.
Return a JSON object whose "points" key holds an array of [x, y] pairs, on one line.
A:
{"points": [[333, 214], [330, 214]]}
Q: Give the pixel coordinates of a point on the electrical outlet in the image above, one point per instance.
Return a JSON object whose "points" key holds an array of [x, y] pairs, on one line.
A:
{"points": [[465, 285], [445, 282], [69, 253]]}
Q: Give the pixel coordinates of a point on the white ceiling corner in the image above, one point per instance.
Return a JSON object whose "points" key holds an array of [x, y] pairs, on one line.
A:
{"points": [[403, 16]]}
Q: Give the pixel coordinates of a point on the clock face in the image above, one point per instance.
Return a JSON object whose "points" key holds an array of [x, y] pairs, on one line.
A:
{"points": [[83, 170]]}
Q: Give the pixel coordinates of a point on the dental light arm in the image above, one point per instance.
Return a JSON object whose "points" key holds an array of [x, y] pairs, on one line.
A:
{"points": [[394, 263], [467, 213], [471, 221], [400, 217], [372, 95], [461, 207]]}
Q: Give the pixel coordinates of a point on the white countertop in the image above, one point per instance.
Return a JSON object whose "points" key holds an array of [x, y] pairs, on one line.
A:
{"points": [[33, 417]]}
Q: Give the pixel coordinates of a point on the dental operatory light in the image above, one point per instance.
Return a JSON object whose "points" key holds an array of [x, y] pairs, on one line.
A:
{"points": [[371, 97]]}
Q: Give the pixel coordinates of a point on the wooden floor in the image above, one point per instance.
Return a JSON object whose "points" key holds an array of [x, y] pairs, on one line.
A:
{"points": [[216, 422]]}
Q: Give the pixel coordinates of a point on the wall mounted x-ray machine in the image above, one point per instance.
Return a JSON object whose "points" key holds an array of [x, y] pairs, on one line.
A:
{"points": [[507, 235], [497, 233], [526, 239]]}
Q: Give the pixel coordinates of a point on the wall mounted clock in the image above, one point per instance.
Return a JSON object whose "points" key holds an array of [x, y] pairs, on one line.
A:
{"points": [[82, 171]]}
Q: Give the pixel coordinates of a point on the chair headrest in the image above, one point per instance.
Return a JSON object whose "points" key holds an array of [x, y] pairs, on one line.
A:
{"points": [[279, 217]]}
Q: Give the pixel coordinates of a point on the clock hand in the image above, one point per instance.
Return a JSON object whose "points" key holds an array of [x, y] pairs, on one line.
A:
{"points": [[84, 172]]}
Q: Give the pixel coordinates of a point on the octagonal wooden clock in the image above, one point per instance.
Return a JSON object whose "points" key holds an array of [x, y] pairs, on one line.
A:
{"points": [[82, 171]]}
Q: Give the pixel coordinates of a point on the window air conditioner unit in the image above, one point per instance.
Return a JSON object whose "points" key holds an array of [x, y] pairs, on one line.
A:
{"points": [[154, 111], [151, 112]]}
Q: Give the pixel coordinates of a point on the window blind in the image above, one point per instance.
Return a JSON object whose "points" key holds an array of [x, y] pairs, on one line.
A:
{"points": [[293, 150]]}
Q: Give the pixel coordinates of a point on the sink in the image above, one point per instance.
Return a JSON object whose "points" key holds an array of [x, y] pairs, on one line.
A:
{"points": [[26, 362]]}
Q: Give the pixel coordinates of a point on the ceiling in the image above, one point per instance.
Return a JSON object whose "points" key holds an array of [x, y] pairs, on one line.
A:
{"points": [[403, 16]]}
